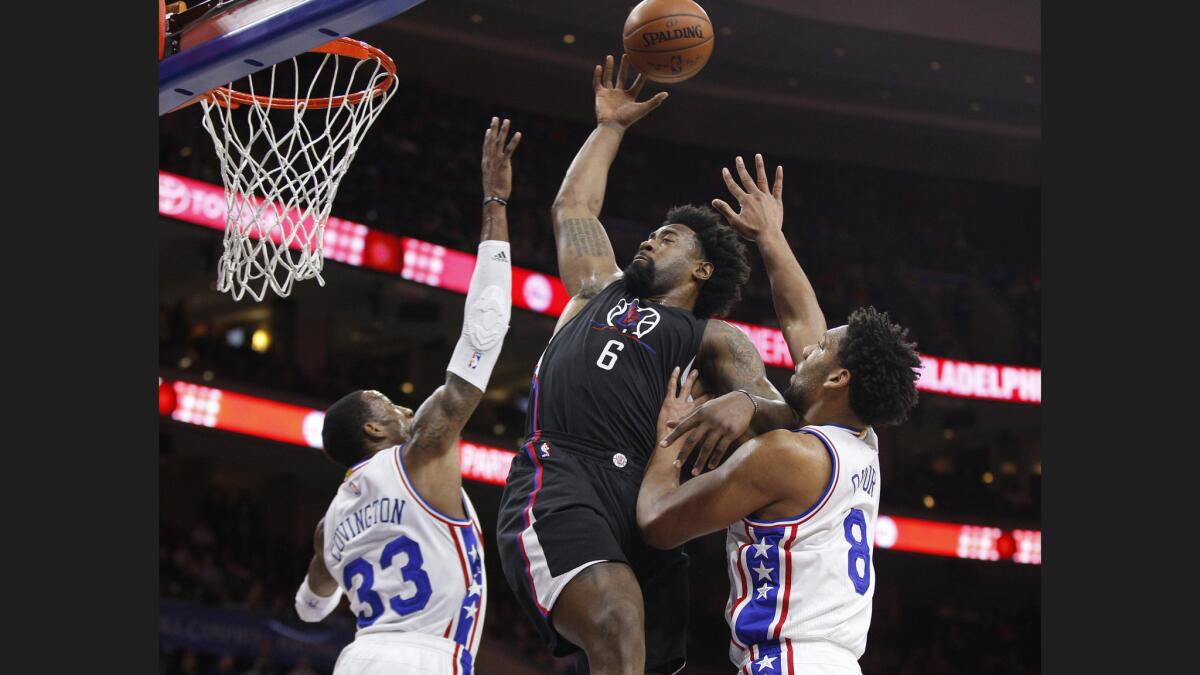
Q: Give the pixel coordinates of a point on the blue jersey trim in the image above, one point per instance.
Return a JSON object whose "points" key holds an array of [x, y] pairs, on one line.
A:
{"points": [[833, 474], [461, 522]]}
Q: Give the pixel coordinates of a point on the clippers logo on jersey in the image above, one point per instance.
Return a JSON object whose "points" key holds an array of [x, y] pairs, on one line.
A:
{"points": [[632, 320]]}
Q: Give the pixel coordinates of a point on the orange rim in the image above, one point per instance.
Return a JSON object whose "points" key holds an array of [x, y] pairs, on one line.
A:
{"points": [[342, 46]]}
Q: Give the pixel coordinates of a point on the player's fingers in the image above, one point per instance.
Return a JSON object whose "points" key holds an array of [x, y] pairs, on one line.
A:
{"points": [[608, 72], [760, 173], [596, 78], [686, 450], [719, 453], [512, 145], [682, 427], [672, 389], [747, 182], [636, 88], [503, 133], [689, 381], [706, 447], [725, 209], [654, 101], [777, 191], [622, 72], [734, 189]]}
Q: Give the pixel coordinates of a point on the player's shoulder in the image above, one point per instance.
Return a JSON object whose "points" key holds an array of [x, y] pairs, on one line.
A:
{"points": [[784, 464], [785, 448], [719, 333]]}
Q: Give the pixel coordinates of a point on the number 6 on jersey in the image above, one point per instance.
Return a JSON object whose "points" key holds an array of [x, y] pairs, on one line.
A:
{"points": [[608, 358]]}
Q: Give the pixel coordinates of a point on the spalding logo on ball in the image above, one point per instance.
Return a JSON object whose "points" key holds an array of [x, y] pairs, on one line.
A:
{"points": [[668, 40]]}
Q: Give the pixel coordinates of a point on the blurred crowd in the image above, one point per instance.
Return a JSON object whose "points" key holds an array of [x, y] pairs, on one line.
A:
{"points": [[957, 261]]}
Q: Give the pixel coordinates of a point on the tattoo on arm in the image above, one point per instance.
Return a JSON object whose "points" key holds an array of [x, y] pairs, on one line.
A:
{"points": [[585, 237], [444, 414], [742, 366]]}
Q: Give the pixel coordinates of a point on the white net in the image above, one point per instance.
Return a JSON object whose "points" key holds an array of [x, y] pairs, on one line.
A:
{"points": [[283, 154]]}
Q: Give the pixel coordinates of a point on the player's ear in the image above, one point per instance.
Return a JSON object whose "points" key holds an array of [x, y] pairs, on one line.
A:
{"points": [[374, 431], [837, 378], [703, 271]]}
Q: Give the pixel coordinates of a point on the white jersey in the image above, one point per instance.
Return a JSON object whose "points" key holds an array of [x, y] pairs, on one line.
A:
{"points": [[403, 565], [808, 579]]}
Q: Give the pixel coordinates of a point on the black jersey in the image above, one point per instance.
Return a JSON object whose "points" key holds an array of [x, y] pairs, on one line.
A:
{"points": [[602, 379]]}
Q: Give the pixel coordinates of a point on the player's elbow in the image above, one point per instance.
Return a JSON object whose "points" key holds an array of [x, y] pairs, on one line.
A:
{"points": [[570, 204], [656, 528]]}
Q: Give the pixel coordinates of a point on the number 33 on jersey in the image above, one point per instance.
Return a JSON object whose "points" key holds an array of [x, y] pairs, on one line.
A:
{"points": [[403, 565]]}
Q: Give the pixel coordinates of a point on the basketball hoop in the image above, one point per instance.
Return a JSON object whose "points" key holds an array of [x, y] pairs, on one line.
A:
{"points": [[282, 159]]}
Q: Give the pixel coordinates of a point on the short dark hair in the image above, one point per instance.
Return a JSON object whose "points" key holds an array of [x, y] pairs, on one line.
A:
{"points": [[342, 434], [721, 246], [883, 367]]}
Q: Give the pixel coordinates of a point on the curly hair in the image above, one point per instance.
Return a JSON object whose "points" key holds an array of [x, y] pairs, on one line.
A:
{"points": [[342, 434], [721, 246], [881, 362]]}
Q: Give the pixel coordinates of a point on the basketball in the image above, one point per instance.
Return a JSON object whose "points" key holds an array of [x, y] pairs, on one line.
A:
{"points": [[668, 40]]}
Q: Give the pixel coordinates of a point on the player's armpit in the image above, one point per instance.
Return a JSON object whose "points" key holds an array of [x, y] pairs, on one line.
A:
{"points": [[441, 418], [431, 456]]}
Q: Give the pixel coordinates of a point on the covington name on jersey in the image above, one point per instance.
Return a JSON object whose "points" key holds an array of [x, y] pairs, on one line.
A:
{"points": [[382, 510]]}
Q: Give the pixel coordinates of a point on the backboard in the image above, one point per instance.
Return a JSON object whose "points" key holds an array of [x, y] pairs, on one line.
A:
{"points": [[220, 41]]}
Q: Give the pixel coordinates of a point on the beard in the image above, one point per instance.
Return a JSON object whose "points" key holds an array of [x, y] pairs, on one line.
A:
{"points": [[639, 277], [796, 397]]}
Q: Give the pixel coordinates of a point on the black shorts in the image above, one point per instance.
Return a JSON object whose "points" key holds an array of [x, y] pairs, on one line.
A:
{"points": [[564, 509]]}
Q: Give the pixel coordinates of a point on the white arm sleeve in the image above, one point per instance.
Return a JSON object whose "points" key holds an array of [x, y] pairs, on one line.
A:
{"points": [[312, 607], [485, 319]]}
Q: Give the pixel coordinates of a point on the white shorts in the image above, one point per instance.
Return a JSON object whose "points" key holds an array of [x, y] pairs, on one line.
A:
{"points": [[390, 653], [800, 657]]}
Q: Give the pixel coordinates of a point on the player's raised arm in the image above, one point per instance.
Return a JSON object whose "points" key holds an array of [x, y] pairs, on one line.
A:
{"points": [[585, 256], [779, 466], [760, 219], [431, 455]]}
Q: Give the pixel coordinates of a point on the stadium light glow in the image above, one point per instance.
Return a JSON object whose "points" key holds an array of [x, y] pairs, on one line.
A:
{"points": [[277, 421], [426, 263]]}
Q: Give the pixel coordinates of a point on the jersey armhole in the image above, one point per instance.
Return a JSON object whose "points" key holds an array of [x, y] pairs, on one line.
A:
{"points": [[835, 471], [398, 455]]}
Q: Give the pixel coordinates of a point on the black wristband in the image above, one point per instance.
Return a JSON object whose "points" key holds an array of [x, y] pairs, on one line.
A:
{"points": [[494, 198]]}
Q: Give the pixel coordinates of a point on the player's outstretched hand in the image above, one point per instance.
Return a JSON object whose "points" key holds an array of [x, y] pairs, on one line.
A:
{"points": [[710, 429], [616, 104], [497, 159], [760, 206], [678, 402]]}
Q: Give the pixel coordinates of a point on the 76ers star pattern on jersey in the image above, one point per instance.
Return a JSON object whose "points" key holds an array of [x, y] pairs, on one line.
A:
{"points": [[806, 583]]}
